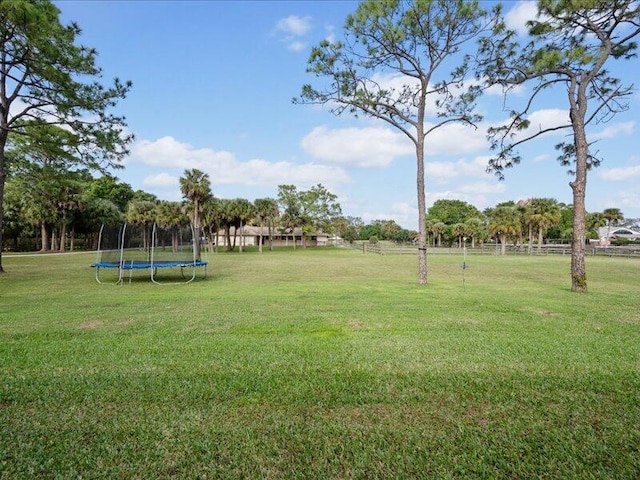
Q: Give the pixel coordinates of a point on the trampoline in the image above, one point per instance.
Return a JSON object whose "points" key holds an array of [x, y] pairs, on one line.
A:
{"points": [[135, 248]]}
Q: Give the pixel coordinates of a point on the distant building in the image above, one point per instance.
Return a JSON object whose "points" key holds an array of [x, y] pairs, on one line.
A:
{"points": [[249, 235], [611, 233]]}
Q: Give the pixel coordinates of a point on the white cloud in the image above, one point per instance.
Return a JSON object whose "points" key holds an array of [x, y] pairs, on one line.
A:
{"points": [[161, 180], [620, 173], [448, 170], [361, 147], [543, 119], [547, 118], [331, 33], [292, 29], [297, 46], [615, 130], [378, 146], [516, 18], [223, 168], [455, 139], [294, 25]]}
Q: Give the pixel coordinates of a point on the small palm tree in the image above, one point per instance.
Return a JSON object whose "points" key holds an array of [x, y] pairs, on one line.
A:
{"points": [[544, 214], [613, 216], [504, 222], [474, 227], [196, 187], [266, 210], [170, 216], [438, 230]]}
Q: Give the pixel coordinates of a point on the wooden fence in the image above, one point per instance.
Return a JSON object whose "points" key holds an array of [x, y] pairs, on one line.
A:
{"points": [[388, 248]]}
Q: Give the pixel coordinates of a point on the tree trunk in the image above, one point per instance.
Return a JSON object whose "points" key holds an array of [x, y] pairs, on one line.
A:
{"points": [[260, 238], [227, 234], [270, 233], [579, 188], [503, 244], [3, 177], [540, 238], [530, 247], [44, 237], [63, 234], [422, 211], [241, 236]]}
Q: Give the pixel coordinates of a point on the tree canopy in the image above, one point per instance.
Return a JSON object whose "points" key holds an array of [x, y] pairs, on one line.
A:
{"points": [[48, 79]]}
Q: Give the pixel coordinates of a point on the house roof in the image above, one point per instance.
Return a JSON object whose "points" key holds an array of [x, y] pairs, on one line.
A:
{"points": [[617, 231], [252, 230]]}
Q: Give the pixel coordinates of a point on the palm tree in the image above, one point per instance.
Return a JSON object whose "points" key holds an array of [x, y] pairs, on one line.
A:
{"points": [[526, 212], [196, 187], [143, 213], [438, 229], [244, 211], [266, 210], [170, 216], [212, 221], [613, 216], [543, 213], [459, 231], [504, 222], [594, 221], [474, 227]]}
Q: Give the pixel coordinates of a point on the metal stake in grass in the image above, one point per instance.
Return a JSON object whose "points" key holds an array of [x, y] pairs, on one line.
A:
{"points": [[464, 259]]}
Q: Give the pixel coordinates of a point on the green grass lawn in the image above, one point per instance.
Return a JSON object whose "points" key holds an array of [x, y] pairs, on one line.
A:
{"points": [[321, 364]]}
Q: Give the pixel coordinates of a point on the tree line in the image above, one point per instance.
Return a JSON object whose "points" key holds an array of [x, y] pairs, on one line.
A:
{"points": [[51, 208]]}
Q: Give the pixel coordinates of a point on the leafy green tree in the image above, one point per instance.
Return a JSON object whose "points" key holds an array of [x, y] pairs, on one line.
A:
{"points": [[452, 211], [47, 79], [311, 210], [420, 45], [16, 225], [196, 188], [571, 44], [564, 229], [109, 188], [266, 211], [348, 228]]}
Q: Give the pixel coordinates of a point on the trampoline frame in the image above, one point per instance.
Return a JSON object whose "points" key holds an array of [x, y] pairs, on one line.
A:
{"points": [[127, 265]]}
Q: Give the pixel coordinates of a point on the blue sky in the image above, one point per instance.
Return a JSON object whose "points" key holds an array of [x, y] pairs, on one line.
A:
{"points": [[212, 89]]}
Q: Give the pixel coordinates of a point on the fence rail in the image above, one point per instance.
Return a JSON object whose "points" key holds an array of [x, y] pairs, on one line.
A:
{"points": [[493, 249]]}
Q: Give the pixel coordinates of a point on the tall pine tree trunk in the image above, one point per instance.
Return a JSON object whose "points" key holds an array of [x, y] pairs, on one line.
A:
{"points": [[577, 113]]}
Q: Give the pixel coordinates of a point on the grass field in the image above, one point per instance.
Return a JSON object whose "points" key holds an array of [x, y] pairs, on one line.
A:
{"points": [[321, 364]]}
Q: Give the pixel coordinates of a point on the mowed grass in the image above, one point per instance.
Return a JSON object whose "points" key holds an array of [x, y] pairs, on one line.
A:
{"points": [[321, 364]]}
